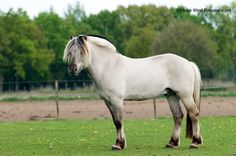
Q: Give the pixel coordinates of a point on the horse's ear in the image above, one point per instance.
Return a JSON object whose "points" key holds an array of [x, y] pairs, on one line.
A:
{"points": [[70, 37], [85, 37]]}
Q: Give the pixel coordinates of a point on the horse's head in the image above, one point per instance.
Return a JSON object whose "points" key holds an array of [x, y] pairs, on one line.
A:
{"points": [[76, 54]]}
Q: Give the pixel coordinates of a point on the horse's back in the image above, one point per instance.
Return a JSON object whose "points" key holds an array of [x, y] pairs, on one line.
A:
{"points": [[151, 76], [169, 58]]}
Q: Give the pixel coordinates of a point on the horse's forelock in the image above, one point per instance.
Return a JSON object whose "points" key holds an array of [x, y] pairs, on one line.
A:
{"points": [[67, 57], [84, 49]]}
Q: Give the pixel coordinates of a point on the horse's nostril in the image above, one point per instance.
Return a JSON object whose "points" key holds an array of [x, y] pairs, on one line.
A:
{"points": [[72, 68]]}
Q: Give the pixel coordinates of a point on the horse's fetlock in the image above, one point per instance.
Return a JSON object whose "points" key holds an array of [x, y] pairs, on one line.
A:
{"points": [[174, 141], [197, 140]]}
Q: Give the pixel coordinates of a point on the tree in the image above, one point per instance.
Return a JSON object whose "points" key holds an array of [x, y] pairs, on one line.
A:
{"points": [[107, 24], [139, 24], [190, 41], [54, 30], [138, 45], [223, 28], [149, 16], [23, 49], [73, 17], [181, 13]]}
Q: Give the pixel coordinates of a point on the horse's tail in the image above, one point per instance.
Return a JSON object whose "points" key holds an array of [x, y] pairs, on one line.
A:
{"points": [[196, 98], [197, 86]]}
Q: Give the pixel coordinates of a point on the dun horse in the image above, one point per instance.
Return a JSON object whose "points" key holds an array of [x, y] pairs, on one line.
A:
{"points": [[118, 78]]}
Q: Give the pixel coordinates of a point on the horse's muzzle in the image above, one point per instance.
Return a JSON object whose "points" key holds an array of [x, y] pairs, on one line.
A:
{"points": [[73, 70]]}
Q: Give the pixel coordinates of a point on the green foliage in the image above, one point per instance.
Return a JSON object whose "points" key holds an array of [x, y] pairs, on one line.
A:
{"points": [[139, 25], [223, 29], [139, 44], [73, 17], [23, 48], [106, 24], [185, 15], [190, 41], [32, 49], [95, 137], [147, 16], [54, 30]]}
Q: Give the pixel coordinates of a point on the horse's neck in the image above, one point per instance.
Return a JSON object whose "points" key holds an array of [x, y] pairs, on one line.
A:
{"points": [[100, 59]]}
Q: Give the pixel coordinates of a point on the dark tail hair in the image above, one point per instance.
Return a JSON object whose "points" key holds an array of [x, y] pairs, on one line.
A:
{"points": [[189, 127]]}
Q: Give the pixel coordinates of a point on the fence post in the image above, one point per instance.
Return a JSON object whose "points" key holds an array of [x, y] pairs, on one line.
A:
{"points": [[57, 105], [154, 108]]}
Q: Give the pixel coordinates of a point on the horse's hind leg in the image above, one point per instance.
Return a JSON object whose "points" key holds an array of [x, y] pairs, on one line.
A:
{"points": [[193, 114], [116, 109], [177, 113]]}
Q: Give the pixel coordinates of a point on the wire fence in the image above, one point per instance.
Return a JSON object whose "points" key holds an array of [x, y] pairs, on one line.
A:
{"points": [[56, 99]]}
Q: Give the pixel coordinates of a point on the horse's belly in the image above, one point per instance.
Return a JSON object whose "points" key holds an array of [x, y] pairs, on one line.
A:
{"points": [[145, 91]]}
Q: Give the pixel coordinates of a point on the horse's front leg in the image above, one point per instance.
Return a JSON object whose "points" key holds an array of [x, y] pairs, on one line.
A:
{"points": [[116, 109]]}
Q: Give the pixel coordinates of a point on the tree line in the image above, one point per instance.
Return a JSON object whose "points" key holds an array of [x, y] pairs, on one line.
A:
{"points": [[32, 49]]}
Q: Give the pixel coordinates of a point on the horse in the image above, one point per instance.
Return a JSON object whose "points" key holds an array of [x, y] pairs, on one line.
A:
{"points": [[118, 78]]}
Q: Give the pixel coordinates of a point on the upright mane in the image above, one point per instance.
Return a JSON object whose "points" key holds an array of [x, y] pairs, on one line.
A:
{"points": [[101, 42]]}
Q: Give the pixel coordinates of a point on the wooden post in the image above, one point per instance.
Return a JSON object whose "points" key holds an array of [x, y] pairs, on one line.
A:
{"points": [[57, 105], [154, 108], [1, 83]]}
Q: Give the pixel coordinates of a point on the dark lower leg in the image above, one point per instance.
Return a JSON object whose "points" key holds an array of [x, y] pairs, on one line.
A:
{"points": [[196, 139], [116, 109], [120, 141], [174, 140]]}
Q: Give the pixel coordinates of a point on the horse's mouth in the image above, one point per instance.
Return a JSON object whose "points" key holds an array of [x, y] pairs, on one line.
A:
{"points": [[75, 73]]}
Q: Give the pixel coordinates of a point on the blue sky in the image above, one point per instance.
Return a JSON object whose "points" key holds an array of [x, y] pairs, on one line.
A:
{"points": [[33, 7]]}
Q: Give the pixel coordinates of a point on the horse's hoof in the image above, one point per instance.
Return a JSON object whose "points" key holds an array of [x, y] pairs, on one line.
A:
{"points": [[116, 148], [193, 146], [170, 146]]}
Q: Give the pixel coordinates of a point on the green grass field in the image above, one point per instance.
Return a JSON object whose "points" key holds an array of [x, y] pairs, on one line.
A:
{"points": [[95, 137]]}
